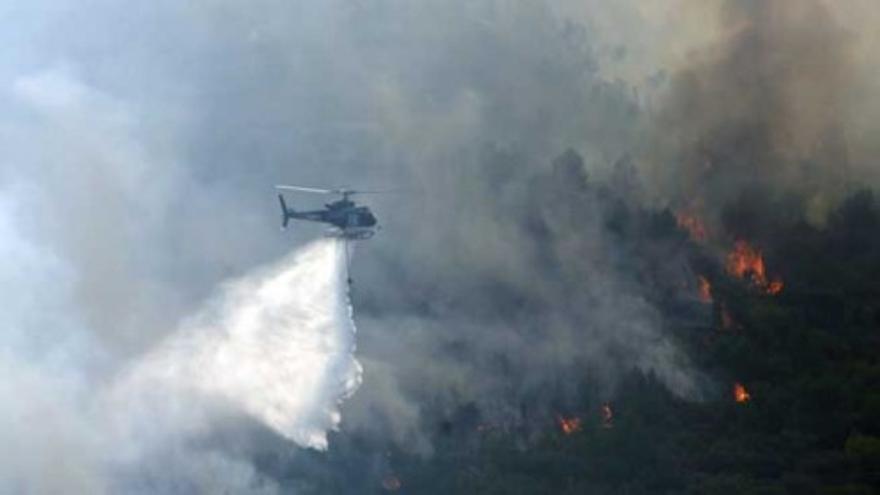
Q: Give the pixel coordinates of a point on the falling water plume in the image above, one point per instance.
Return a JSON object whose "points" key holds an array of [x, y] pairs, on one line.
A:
{"points": [[276, 345]]}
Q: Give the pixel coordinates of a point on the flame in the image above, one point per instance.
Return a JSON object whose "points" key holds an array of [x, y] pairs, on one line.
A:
{"points": [[705, 289], [391, 483], [746, 261], [607, 415], [740, 394], [569, 425], [692, 225]]}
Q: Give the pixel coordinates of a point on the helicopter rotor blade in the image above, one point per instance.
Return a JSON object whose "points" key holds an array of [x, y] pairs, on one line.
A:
{"points": [[384, 191], [308, 189], [344, 190]]}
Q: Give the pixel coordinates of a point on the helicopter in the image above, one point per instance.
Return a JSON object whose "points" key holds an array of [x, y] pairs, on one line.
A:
{"points": [[350, 221]]}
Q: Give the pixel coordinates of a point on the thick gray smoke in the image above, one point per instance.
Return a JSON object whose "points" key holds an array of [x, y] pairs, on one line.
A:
{"points": [[764, 106], [141, 142]]}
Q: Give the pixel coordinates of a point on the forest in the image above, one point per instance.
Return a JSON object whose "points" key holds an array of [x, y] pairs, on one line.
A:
{"points": [[783, 326]]}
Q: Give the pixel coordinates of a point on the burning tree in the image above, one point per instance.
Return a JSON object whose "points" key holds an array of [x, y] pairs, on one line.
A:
{"points": [[569, 425], [740, 394], [747, 263]]}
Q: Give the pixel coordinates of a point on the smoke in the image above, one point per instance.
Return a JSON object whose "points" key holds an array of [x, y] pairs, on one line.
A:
{"points": [[140, 152], [766, 106]]}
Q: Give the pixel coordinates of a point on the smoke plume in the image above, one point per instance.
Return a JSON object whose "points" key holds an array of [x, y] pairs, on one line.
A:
{"points": [[766, 108], [538, 141]]}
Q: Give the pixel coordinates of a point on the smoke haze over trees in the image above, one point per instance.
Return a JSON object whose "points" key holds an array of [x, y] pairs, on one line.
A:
{"points": [[538, 264]]}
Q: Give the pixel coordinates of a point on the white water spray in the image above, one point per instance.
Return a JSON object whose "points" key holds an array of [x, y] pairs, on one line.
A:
{"points": [[277, 346]]}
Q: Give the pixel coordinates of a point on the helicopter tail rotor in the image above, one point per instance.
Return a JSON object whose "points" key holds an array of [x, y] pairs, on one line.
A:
{"points": [[286, 213]]}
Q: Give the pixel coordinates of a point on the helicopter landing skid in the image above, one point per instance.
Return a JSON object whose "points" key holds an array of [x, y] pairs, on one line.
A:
{"points": [[351, 234]]}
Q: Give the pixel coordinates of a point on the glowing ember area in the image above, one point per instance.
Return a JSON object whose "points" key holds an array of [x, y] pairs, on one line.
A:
{"points": [[747, 262], [391, 483], [705, 289], [775, 287], [607, 416], [692, 225], [740, 394], [569, 425]]}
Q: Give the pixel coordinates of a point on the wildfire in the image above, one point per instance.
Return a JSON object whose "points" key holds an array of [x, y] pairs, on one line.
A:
{"points": [[740, 394], [705, 289], [569, 425], [746, 261], [607, 416], [692, 225]]}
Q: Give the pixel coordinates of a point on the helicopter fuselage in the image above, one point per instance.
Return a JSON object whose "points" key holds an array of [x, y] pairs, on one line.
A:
{"points": [[354, 222]]}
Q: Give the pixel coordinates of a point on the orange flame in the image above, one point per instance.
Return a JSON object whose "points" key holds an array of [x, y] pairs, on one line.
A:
{"points": [[705, 289], [569, 425], [607, 415], [692, 225], [746, 261], [740, 394]]}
